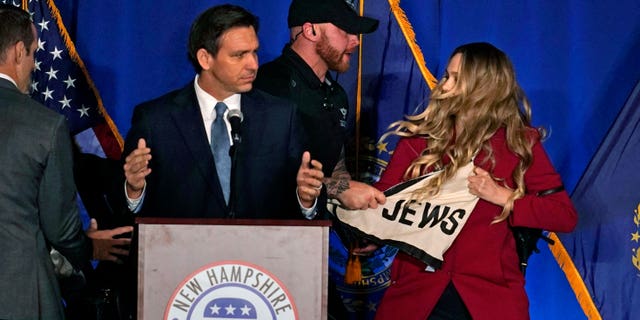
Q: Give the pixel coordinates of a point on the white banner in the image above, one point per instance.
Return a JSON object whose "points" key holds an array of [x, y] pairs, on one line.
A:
{"points": [[424, 229]]}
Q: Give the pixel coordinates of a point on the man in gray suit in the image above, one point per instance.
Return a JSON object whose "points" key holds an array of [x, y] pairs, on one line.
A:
{"points": [[37, 194]]}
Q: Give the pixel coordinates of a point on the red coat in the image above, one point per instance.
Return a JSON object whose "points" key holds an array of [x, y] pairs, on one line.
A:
{"points": [[482, 262]]}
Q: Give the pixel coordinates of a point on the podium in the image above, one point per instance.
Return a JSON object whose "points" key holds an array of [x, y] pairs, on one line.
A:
{"points": [[232, 269]]}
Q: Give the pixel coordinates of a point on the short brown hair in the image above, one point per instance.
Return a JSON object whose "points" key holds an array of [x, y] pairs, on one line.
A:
{"points": [[15, 26]]}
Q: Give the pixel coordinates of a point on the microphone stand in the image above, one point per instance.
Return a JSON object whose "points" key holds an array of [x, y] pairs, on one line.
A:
{"points": [[235, 119]]}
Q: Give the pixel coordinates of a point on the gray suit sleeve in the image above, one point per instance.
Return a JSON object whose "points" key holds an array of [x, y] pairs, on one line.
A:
{"points": [[59, 217]]}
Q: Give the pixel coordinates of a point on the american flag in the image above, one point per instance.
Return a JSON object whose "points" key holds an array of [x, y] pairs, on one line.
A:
{"points": [[61, 82]]}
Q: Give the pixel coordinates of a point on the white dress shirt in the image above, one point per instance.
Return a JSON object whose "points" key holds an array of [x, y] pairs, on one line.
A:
{"points": [[207, 108]]}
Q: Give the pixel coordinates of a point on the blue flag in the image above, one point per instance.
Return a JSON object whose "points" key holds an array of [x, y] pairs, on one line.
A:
{"points": [[396, 82], [602, 259], [61, 82], [392, 81]]}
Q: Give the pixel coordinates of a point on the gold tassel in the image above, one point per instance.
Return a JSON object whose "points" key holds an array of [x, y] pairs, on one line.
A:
{"points": [[353, 272]]}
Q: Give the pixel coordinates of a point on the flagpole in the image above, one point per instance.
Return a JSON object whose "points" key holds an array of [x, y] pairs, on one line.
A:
{"points": [[359, 98]]}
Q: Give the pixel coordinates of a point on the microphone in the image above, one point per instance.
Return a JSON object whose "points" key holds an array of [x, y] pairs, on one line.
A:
{"points": [[235, 117]]}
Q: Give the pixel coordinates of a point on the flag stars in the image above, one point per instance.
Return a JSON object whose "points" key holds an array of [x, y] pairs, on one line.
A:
{"points": [[215, 309], [47, 94], [56, 53], [52, 73], [382, 147], [245, 310], [70, 82], [84, 111], [66, 91], [66, 103], [230, 309], [40, 45], [44, 25], [635, 236]]}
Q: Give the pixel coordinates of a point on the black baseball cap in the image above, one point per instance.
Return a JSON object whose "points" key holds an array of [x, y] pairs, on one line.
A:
{"points": [[338, 12]]}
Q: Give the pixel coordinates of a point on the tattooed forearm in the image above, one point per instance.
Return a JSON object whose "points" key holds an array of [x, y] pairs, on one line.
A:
{"points": [[335, 186], [339, 180]]}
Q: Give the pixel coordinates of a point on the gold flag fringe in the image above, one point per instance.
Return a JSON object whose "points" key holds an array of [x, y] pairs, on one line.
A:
{"points": [[410, 36], [573, 276]]}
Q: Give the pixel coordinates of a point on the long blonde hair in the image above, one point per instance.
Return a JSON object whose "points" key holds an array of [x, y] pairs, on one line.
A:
{"points": [[486, 97]]}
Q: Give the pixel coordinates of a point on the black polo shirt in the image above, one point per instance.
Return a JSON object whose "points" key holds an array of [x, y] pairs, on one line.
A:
{"points": [[323, 106]]}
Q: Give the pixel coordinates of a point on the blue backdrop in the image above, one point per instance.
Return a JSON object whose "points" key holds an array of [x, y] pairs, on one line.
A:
{"points": [[577, 61]]}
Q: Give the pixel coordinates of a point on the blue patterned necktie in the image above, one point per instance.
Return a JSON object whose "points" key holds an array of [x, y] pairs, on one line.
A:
{"points": [[220, 147]]}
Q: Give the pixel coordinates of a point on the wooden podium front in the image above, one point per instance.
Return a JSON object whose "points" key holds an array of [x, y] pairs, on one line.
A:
{"points": [[232, 269]]}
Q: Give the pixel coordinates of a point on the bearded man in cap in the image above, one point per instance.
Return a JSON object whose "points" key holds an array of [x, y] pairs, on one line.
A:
{"points": [[323, 35]]}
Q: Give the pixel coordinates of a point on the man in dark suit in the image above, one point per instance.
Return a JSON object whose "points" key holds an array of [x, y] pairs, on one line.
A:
{"points": [[173, 167], [37, 195], [111, 286]]}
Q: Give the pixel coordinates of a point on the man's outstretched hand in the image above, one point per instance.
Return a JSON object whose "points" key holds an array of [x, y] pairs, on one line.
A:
{"points": [[105, 246]]}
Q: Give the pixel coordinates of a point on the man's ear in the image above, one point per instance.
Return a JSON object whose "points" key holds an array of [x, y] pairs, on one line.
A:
{"points": [[309, 31], [19, 52], [204, 58]]}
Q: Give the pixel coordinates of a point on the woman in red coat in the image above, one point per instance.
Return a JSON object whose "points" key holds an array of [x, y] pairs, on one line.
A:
{"points": [[476, 113]]}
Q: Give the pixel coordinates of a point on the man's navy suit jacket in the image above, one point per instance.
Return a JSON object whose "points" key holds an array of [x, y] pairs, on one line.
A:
{"points": [[183, 182]]}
